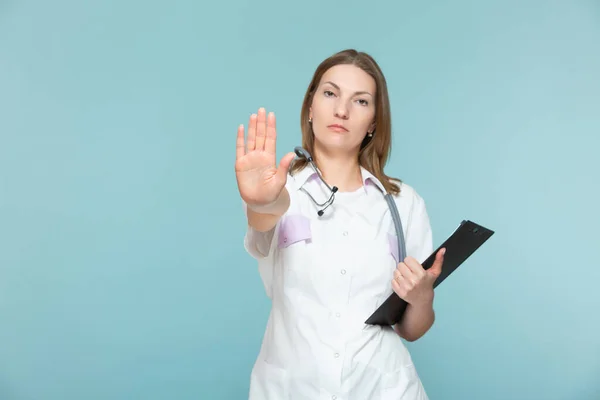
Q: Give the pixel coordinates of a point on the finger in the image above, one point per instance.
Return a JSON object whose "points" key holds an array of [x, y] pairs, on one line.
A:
{"points": [[398, 277], [399, 289], [414, 266], [251, 143], [406, 273], [271, 138], [261, 129], [436, 268], [240, 149], [284, 166]]}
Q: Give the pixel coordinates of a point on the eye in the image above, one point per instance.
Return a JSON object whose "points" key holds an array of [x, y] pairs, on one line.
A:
{"points": [[363, 102], [328, 93]]}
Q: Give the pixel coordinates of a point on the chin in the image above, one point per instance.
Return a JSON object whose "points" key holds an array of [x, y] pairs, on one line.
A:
{"points": [[335, 144]]}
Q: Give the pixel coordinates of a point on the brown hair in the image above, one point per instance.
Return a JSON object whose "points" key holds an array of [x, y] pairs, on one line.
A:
{"points": [[374, 150]]}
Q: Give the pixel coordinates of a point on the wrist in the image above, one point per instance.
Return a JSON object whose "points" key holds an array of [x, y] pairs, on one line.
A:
{"points": [[425, 303], [276, 207]]}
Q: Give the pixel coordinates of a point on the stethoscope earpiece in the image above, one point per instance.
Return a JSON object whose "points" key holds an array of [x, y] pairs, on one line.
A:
{"points": [[300, 152]]}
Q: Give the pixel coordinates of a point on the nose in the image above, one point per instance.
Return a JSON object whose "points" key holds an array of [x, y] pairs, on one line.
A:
{"points": [[341, 110]]}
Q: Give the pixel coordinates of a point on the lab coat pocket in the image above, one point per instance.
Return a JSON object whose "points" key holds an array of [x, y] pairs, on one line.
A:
{"points": [[293, 229], [269, 382], [403, 383], [294, 247]]}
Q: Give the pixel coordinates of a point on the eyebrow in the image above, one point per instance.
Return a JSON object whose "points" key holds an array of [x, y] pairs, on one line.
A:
{"points": [[338, 88]]}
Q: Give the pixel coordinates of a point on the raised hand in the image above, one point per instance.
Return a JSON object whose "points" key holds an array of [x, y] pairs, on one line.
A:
{"points": [[259, 180]]}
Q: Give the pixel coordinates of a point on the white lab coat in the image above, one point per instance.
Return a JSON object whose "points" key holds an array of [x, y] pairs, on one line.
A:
{"points": [[325, 276]]}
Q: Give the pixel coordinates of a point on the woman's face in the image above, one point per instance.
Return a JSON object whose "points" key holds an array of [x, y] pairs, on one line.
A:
{"points": [[343, 109]]}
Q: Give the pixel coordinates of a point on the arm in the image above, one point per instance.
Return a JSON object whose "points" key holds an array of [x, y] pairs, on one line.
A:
{"points": [[411, 282], [417, 320], [262, 187], [264, 218], [415, 285], [260, 182]]}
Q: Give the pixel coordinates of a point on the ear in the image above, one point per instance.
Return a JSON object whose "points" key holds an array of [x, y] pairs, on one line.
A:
{"points": [[310, 113], [372, 128]]}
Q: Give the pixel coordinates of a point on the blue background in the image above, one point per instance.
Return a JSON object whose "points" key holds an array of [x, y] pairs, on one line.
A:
{"points": [[122, 269]]}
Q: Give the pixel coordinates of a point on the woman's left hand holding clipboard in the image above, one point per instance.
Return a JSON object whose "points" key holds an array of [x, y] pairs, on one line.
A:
{"points": [[412, 283]]}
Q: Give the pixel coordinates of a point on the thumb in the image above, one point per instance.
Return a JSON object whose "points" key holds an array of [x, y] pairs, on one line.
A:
{"points": [[436, 268], [284, 166]]}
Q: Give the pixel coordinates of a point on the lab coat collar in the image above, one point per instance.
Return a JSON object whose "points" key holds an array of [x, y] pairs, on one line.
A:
{"points": [[308, 174]]}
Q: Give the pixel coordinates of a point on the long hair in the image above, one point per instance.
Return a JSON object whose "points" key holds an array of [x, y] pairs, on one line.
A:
{"points": [[375, 150]]}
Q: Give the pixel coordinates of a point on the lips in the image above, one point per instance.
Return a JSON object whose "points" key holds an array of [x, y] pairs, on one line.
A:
{"points": [[337, 128]]}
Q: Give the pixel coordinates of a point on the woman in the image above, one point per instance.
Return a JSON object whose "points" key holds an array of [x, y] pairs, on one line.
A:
{"points": [[326, 269]]}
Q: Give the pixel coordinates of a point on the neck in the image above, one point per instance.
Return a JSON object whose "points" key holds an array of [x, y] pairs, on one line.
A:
{"points": [[342, 171]]}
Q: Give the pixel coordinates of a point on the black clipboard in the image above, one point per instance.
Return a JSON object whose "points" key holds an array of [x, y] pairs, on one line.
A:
{"points": [[465, 240]]}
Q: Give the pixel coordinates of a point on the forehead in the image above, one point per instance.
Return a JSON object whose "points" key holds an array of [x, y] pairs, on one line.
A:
{"points": [[349, 77]]}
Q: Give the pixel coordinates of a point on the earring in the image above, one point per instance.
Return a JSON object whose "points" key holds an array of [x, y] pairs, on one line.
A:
{"points": [[309, 120], [370, 134]]}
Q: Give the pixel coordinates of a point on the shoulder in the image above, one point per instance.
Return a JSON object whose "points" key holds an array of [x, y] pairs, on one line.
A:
{"points": [[408, 196], [291, 180], [291, 184], [411, 207], [295, 180], [415, 219]]}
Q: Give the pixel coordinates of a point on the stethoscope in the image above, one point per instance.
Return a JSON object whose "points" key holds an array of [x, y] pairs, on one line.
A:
{"points": [[302, 153]]}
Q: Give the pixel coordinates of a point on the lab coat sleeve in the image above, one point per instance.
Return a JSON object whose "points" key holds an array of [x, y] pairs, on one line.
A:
{"points": [[260, 246], [257, 244], [419, 238]]}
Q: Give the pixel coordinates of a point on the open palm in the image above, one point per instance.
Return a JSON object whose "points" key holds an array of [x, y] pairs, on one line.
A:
{"points": [[259, 179]]}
